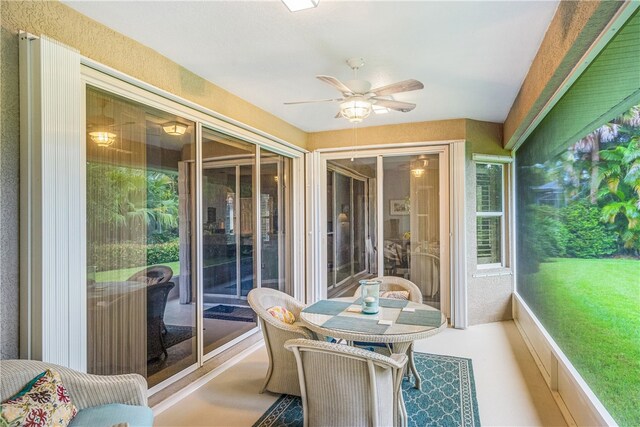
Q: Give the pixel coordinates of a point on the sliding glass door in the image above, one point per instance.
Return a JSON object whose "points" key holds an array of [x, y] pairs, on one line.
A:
{"points": [[183, 221], [387, 215], [140, 239], [411, 206]]}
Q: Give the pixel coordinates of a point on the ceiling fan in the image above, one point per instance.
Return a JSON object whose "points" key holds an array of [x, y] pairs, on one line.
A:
{"points": [[358, 99]]}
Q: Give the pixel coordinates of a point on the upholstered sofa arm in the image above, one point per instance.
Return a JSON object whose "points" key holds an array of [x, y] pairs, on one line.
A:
{"points": [[86, 390]]}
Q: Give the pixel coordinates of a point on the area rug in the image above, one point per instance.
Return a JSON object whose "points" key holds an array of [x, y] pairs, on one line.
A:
{"points": [[448, 397], [230, 312]]}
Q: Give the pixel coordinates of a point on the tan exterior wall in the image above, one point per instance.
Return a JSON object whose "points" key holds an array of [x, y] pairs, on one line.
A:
{"points": [[574, 28], [488, 297], [441, 130]]}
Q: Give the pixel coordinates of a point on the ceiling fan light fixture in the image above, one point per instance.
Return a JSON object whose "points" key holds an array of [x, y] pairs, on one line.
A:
{"points": [[102, 138], [356, 109], [174, 128], [297, 5]]}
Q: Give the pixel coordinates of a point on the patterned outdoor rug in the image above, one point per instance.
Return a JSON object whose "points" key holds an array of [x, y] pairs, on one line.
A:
{"points": [[230, 312], [448, 397]]}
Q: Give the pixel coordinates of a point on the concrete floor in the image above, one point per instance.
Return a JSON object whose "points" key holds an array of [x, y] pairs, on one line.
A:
{"points": [[510, 389]]}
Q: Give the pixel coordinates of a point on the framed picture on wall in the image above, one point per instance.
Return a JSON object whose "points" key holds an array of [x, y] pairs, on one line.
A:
{"points": [[399, 207]]}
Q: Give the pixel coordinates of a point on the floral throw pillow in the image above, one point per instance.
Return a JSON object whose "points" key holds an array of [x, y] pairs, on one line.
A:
{"points": [[43, 402], [395, 295], [282, 314]]}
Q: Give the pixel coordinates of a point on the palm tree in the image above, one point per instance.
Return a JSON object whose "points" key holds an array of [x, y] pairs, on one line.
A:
{"points": [[605, 133], [619, 179]]}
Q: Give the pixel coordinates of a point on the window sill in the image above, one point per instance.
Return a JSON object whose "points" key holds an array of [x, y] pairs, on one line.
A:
{"points": [[492, 271]]}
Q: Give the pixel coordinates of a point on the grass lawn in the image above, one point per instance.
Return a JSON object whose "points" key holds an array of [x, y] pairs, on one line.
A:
{"points": [[591, 307], [125, 273]]}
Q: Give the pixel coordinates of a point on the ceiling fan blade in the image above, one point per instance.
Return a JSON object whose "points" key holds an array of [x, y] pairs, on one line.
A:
{"points": [[405, 107], [403, 86], [336, 83], [314, 101]]}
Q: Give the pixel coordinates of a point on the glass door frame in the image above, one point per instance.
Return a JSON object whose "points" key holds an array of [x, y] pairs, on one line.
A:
{"points": [[112, 81], [352, 176], [446, 201]]}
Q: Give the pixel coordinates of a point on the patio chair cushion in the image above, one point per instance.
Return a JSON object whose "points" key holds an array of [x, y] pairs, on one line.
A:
{"points": [[43, 401], [282, 314], [113, 414], [403, 295]]}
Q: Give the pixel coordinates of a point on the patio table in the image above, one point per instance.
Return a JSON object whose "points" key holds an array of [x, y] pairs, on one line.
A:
{"points": [[331, 318]]}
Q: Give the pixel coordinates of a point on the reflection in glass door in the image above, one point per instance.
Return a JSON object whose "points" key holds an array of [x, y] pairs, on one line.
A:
{"points": [[154, 185], [140, 239], [411, 197], [350, 237], [228, 216]]}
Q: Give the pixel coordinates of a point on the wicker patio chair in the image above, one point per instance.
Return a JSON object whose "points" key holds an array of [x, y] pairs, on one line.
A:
{"points": [[393, 283], [282, 375], [348, 386], [153, 275], [156, 306]]}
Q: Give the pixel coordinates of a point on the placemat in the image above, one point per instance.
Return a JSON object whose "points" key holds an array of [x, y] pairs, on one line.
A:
{"points": [[355, 324], [387, 302], [328, 307], [420, 318]]}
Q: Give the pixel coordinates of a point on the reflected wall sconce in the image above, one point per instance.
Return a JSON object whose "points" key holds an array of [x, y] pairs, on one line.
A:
{"points": [[102, 138], [174, 128], [419, 167], [417, 172]]}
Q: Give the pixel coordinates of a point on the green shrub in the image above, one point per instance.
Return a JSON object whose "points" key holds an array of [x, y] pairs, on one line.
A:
{"points": [[588, 236], [163, 252], [551, 232], [126, 255]]}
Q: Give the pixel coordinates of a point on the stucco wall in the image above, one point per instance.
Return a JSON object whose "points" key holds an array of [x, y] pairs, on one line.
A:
{"points": [[9, 151], [574, 28], [440, 130], [488, 291]]}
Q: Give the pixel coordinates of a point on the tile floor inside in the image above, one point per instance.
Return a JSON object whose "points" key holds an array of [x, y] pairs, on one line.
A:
{"points": [[510, 389]]}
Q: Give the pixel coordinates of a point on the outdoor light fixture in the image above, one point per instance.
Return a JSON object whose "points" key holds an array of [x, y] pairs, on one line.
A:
{"points": [[355, 109], [102, 138], [174, 128], [297, 5]]}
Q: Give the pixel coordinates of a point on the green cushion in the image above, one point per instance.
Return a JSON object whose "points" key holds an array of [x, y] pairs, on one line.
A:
{"points": [[114, 413]]}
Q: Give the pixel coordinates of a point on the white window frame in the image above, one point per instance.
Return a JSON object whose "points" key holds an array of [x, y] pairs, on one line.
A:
{"points": [[497, 214], [504, 163]]}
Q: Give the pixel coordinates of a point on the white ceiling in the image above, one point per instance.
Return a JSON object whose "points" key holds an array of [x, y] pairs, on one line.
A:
{"points": [[472, 56]]}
